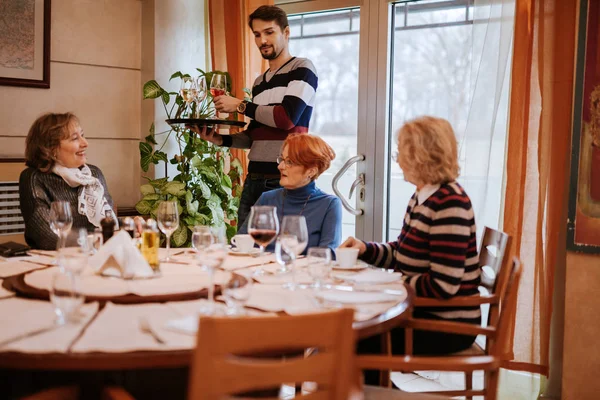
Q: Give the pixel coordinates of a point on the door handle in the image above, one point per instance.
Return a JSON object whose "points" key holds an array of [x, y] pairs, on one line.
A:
{"points": [[358, 181]]}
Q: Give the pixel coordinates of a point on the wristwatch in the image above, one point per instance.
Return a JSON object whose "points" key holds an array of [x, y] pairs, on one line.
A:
{"points": [[241, 108]]}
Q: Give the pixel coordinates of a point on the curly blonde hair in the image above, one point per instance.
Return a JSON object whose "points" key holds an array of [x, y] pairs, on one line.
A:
{"points": [[427, 150]]}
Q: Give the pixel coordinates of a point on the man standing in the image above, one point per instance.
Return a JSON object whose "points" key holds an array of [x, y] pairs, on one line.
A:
{"points": [[282, 103]]}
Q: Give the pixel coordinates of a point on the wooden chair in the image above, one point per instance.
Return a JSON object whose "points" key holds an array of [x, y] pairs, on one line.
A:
{"points": [[498, 337], [58, 393], [241, 355], [12, 226]]}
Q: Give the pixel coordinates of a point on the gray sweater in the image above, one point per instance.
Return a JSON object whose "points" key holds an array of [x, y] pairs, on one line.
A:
{"points": [[37, 190]]}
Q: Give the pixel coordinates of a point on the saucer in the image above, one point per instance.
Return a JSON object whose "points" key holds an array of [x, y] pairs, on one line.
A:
{"points": [[236, 252], [356, 267]]}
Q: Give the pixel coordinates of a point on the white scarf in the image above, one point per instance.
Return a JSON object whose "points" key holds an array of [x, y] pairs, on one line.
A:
{"points": [[92, 202]]}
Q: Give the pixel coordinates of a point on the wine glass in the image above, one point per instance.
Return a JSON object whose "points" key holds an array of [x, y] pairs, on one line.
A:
{"points": [[168, 221], [215, 254], [296, 225], [236, 293], [74, 251], [64, 296], [319, 264], [61, 220], [218, 85], [200, 94], [285, 252], [263, 226], [188, 89], [201, 239]]}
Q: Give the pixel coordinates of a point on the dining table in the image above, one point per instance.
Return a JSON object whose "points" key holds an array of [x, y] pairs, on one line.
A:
{"points": [[150, 324]]}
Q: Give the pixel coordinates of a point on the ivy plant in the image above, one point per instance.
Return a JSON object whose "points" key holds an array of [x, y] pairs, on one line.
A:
{"points": [[207, 193]]}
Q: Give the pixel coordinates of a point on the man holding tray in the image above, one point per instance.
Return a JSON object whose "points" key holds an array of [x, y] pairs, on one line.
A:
{"points": [[282, 103]]}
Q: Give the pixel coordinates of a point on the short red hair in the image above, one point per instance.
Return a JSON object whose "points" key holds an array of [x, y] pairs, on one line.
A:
{"points": [[309, 151]]}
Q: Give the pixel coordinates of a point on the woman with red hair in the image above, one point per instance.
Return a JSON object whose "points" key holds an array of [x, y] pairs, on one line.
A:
{"points": [[303, 158]]}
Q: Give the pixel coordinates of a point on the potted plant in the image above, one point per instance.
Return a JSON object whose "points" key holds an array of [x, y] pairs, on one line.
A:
{"points": [[207, 189]]}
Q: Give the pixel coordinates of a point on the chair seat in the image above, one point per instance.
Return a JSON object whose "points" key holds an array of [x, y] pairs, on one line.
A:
{"points": [[380, 393], [474, 350]]}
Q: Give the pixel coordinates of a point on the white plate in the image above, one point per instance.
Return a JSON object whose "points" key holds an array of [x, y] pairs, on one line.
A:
{"points": [[356, 297], [234, 251], [356, 267], [373, 276]]}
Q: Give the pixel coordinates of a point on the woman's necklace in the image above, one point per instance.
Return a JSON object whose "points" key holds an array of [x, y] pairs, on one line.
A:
{"points": [[283, 203]]}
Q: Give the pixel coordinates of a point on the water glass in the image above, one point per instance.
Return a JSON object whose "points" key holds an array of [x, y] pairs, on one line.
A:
{"points": [[95, 241], [319, 265], [296, 225], [60, 219], [168, 221], [73, 252], [236, 293], [65, 296], [285, 252]]}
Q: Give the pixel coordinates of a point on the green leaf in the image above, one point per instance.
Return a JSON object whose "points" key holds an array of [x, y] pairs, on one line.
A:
{"points": [[145, 148], [166, 97], [144, 207], [160, 156], [152, 90], [147, 189], [191, 205], [231, 231], [158, 183], [152, 197], [180, 236], [226, 182], [204, 189], [177, 74], [145, 162], [175, 188], [150, 139]]}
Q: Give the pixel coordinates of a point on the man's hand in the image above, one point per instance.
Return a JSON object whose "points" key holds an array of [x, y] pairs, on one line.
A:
{"points": [[354, 243], [226, 104], [207, 134]]}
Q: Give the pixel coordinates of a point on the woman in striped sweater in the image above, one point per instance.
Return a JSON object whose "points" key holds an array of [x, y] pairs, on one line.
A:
{"points": [[437, 249]]}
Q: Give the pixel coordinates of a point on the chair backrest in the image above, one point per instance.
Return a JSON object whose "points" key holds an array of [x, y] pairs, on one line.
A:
{"points": [[508, 307], [494, 246], [12, 226], [238, 355]]}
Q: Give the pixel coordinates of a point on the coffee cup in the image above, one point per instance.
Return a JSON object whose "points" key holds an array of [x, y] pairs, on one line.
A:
{"points": [[346, 257], [243, 243]]}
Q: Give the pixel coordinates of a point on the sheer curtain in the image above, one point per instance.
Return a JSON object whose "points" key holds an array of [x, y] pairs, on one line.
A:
{"points": [[482, 144]]}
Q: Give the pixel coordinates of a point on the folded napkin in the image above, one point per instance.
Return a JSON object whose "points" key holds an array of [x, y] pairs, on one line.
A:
{"points": [[119, 257], [368, 276]]}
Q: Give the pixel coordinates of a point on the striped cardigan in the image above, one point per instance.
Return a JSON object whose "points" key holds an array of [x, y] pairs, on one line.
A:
{"points": [[436, 250], [282, 103]]}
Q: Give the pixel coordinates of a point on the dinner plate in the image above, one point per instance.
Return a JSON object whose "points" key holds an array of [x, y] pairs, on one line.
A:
{"points": [[355, 297], [356, 267], [234, 251], [372, 276]]}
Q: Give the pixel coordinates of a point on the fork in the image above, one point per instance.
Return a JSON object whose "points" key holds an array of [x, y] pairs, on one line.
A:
{"points": [[146, 328]]}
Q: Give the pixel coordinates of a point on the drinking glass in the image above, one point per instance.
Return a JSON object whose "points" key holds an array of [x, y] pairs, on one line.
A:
{"points": [[73, 252], [285, 252], [201, 239], [296, 225], [236, 293], [168, 221], [64, 296], [188, 89], [215, 256], [200, 94], [60, 219], [218, 85], [319, 264], [263, 226]]}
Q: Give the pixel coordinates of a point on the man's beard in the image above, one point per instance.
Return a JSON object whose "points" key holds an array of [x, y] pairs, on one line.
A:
{"points": [[270, 56]]}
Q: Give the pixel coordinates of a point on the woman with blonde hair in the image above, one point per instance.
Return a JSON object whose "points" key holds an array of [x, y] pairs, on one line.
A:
{"points": [[437, 249], [56, 154], [303, 159]]}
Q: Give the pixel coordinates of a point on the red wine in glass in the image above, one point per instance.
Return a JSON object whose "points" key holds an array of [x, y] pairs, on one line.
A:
{"points": [[217, 92], [263, 237]]}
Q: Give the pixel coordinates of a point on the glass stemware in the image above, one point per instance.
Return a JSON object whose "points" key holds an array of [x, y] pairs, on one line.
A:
{"points": [[168, 220], [218, 87], [73, 252], [200, 95], [319, 264], [188, 89], [236, 292], [263, 226], [296, 225], [61, 220], [65, 297], [285, 252]]}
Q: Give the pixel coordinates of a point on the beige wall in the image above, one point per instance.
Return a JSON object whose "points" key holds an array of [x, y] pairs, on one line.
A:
{"points": [[95, 73], [581, 352]]}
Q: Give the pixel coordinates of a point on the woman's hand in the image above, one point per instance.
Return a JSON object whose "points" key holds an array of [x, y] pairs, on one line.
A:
{"points": [[354, 243], [139, 224], [210, 135]]}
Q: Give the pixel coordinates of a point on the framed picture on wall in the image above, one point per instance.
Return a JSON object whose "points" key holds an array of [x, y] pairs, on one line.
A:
{"points": [[25, 43], [583, 230]]}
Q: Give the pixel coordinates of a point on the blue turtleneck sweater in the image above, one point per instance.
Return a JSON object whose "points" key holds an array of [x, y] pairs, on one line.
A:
{"points": [[323, 213]]}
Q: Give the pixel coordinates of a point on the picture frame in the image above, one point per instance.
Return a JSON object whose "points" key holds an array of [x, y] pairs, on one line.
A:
{"points": [[583, 224], [25, 44]]}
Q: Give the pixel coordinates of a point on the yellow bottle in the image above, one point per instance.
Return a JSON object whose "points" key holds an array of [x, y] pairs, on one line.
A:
{"points": [[151, 244]]}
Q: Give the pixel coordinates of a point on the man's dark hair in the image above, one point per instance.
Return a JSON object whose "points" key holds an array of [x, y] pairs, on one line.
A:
{"points": [[269, 13]]}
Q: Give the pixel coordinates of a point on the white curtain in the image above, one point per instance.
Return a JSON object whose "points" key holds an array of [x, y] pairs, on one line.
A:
{"points": [[482, 144]]}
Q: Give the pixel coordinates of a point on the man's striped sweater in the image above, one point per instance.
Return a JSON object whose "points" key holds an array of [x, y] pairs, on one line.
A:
{"points": [[282, 103], [436, 250]]}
